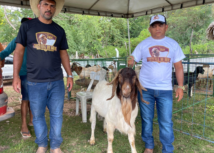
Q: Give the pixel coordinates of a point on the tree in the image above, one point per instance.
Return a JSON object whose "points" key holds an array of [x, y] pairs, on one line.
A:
{"points": [[14, 15], [187, 26]]}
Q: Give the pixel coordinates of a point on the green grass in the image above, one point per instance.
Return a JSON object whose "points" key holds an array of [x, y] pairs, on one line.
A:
{"points": [[194, 116], [77, 134]]}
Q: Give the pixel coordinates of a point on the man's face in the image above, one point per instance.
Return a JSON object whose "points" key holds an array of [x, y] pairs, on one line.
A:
{"points": [[158, 30], [47, 9]]}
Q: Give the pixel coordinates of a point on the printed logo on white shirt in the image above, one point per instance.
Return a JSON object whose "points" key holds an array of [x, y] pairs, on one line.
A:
{"points": [[159, 54], [157, 58]]}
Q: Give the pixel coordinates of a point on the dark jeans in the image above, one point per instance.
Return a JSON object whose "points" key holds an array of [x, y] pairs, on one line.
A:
{"points": [[50, 94], [164, 103]]}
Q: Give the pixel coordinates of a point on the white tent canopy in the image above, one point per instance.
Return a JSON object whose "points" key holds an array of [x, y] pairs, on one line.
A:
{"points": [[117, 8]]}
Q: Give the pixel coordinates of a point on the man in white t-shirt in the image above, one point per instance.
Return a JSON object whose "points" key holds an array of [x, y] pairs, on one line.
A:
{"points": [[158, 53]]}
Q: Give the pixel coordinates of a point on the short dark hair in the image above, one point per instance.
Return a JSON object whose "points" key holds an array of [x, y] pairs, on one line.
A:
{"points": [[25, 19]]}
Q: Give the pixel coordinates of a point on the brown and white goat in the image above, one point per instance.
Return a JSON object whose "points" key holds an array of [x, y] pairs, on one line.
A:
{"points": [[84, 71], [120, 110]]}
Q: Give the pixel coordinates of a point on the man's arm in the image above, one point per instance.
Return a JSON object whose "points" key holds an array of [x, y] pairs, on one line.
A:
{"points": [[8, 50], [180, 79], [17, 63], [66, 64]]}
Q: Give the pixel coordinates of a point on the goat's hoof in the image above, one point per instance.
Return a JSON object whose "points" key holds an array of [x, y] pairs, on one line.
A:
{"points": [[92, 141]]}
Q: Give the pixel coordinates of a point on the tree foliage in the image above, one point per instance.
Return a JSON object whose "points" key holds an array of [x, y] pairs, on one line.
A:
{"points": [[101, 35]]}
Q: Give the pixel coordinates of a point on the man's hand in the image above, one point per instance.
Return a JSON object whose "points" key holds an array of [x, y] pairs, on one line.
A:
{"points": [[17, 84], [69, 83], [130, 61], [17, 63], [179, 94]]}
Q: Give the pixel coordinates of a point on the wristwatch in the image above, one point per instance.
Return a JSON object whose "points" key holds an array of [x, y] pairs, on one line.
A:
{"points": [[182, 87], [70, 76]]}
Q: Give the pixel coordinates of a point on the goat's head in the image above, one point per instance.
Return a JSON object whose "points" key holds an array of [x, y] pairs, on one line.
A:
{"points": [[111, 67], [155, 52], [88, 65], [42, 39], [76, 68], [126, 85], [199, 69]]}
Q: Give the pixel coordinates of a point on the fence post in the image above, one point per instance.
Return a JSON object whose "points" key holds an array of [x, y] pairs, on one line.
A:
{"points": [[213, 87]]}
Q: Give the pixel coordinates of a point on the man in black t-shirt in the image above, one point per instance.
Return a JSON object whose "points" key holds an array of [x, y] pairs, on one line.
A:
{"points": [[46, 49]]}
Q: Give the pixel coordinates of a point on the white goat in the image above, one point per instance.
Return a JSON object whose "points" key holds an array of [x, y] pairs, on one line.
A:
{"points": [[119, 111]]}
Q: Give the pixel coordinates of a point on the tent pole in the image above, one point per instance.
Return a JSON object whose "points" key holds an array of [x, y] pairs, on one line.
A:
{"points": [[129, 37]]}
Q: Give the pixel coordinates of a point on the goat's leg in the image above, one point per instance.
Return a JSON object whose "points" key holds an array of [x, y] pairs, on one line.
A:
{"points": [[110, 133], [104, 125], [190, 90], [93, 124], [132, 141], [210, 83], [205, 82], [198, 84]]}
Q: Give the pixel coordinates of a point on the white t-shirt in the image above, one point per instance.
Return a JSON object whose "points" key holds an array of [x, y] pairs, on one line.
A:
{"points": [[157, 57]]}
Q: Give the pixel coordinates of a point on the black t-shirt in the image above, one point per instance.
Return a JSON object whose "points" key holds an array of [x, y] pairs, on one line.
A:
{"points": [[43, 42]]}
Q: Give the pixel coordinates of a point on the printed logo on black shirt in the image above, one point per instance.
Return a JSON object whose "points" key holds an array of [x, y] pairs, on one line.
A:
{"points": [[159, 54], [45, 41]]}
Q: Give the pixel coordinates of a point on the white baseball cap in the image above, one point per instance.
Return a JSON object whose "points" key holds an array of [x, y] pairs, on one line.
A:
{"points": [[158, 18]]}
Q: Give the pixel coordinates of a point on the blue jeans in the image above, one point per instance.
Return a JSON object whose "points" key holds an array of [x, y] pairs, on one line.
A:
{"points": [[164, 103], [50, 94]]}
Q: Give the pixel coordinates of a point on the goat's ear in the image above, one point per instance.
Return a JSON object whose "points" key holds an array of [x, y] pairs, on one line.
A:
{"points": [[140, 88], [137, 80], [120, 78], [73, 66], [78, 70], [134, 79]]}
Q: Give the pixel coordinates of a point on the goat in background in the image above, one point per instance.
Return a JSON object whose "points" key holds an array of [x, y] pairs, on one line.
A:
{"points": [[208, 75], [119, 111], [189, 78]]}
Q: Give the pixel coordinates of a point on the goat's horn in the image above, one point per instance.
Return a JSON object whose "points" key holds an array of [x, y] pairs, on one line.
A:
{"points": [[114, 87], [114, 82], [114, 77]]}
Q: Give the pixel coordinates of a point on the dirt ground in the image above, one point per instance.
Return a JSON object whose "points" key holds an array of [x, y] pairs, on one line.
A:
{"points": [[14, 100]]}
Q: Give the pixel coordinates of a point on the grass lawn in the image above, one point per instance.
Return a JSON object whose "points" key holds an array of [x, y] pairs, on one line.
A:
{"points": [[76, 134]]}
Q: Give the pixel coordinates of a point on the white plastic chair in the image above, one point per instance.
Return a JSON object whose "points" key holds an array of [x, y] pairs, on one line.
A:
{"points": [[84, 96]]}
